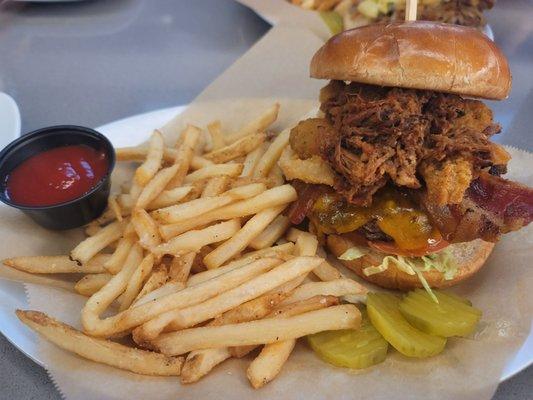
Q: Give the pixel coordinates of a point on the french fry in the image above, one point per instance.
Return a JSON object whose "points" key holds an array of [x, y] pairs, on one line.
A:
{"points": [[203, 143], [139, 153], [253, 309], [217, 138], [194, 208], [216, 186], [146, 228], [136, 282], [275, 177], [200, 362], [107, 216], [57, 264], [247, 291], [196, 191], [156, 186], [339, 287], [115, 207], [185, 153], [268, 199], [272, 155], [100, 301], [252, 159], [135, 191], [327, 272], [169, 197], [158, 278], [92, 283], [198, 162], [189, 296], [242, 238], [293, 234], [237, 149], [116, 261], [92, 228], [101, 350], [196, 239], [307, 244], [271, 233], [276, 251], [257, 125], [267, 365], [89, 247], [214, 170], [154, 159], [164, 290], [270, 330], [302, 306], [180, 267]]}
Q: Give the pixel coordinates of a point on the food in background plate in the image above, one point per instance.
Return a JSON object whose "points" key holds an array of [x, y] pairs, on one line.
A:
{"points": [[398, 174], [355, 13]]}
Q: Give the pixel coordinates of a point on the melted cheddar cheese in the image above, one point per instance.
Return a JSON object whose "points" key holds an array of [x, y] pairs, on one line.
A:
{"points": [[393, 212]]}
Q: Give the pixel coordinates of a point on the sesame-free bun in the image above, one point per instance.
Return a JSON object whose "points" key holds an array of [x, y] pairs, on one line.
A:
{"points": [[416, 55], [470, 257]]}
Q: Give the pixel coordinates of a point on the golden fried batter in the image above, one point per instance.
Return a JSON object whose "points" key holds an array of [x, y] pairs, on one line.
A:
{"points": [[447, 183], [305, 137]]}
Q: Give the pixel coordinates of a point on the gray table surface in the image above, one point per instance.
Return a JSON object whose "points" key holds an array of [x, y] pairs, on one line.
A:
{"points": [[93, 62]]}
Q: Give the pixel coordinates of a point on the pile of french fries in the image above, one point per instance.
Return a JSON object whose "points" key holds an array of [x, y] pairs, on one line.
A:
{"points": [[196, 261]]}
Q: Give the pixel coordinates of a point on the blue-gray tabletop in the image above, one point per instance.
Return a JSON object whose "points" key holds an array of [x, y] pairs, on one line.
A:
{"points": [[94, 62]]}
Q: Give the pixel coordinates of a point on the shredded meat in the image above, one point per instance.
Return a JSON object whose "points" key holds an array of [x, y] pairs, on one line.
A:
{"points": [[372, 232], [458, 12], [383, 135]]}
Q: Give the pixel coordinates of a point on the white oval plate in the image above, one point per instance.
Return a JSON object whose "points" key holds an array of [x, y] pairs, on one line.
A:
{"points": [[9, 120], [130, 132]]}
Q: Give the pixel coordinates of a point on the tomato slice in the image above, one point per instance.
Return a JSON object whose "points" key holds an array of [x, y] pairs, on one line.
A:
{"points": [[392, 248]]}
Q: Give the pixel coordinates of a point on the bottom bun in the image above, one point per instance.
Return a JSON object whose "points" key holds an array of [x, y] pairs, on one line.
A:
{"points": [[470, 257]]}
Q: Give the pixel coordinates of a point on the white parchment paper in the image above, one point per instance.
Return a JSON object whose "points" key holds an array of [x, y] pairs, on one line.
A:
{"points": [[277, 68]]}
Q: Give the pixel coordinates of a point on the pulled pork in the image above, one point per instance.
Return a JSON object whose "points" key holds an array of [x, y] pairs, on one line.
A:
{"points": [[458, 12], [383, 135]]}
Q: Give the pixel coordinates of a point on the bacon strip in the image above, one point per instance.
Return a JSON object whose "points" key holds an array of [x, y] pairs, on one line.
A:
{"points": [[307, 195], [491, 207]]}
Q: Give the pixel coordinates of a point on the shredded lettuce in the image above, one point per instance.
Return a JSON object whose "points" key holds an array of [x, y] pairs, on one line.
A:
{"points": [[353, 253], [441, 261], [376, 269]]}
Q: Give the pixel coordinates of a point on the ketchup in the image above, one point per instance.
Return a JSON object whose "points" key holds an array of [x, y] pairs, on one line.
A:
{"points": [[56, 176]]}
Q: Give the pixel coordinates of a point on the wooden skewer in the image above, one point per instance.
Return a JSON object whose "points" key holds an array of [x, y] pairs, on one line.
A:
{"points": [[410, 10]]}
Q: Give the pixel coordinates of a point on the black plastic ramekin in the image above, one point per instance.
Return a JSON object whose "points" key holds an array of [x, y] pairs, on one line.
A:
{"points": [[73, 213]]}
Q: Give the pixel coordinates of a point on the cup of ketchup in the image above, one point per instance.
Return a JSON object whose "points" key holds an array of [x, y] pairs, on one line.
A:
{"points": [[59, 176]]}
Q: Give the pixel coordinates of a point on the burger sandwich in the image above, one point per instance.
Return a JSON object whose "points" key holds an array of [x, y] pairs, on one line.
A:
{"points": [[398, 174]]}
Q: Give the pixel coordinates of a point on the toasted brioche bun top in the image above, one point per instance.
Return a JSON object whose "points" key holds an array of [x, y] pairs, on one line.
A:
{"points": [[417, 55], [469, 257]]}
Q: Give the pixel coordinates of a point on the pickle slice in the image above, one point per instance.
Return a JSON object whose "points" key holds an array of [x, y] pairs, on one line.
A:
{"points": [[451, 316], [350, 348], [386, 317]]}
